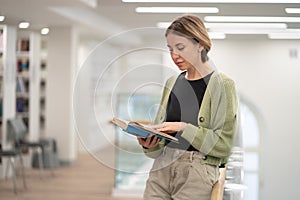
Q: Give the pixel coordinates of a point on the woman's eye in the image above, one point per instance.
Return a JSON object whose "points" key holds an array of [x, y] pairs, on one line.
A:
{"points": [[180, 48]]}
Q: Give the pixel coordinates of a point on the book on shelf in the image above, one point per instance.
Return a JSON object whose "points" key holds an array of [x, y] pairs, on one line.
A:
{"points": [[142, 130], [23, 64], [23, 44], [21, 85], [1, 40]]}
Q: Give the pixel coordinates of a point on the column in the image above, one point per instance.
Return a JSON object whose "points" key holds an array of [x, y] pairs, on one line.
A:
{"points": [[60, 79]]}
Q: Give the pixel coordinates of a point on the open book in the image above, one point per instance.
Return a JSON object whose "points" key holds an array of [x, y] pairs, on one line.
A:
{"points": [[138, 129]]}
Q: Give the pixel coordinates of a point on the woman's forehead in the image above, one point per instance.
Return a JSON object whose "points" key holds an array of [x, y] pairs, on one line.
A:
{"points": [[173, 39]]}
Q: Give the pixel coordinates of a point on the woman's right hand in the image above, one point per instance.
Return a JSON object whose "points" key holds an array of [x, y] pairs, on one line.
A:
{"points": [[148, 142]]}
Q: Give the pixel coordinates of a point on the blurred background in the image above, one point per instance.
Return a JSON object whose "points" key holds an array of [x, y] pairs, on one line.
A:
{"points": [[67, 67]]}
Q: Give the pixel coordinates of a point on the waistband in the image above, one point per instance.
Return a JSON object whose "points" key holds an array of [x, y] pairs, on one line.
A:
{"points": [[183, 154]]}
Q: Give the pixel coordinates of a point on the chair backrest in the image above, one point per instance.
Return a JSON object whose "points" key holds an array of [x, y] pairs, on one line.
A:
{"points": [[16, 129], [218, 188]]}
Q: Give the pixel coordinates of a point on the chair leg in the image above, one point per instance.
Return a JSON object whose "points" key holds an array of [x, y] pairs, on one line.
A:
{"points": [[41, 162], [51, 160], [7, 169], [51, 164], [12, 162], [23, 171]]}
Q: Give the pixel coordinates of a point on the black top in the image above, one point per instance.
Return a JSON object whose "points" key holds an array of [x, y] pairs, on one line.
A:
{"points": [[184, 105]]}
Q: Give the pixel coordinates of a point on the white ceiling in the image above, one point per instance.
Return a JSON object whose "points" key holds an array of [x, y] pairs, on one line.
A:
{"points": [[113, 16]]}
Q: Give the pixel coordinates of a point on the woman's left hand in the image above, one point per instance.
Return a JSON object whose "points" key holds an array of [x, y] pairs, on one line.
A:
{"points": [[170, 127]]}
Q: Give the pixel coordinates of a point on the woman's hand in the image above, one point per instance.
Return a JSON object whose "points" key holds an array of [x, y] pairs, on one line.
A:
{"points": [[149, 142], [170, 127]]}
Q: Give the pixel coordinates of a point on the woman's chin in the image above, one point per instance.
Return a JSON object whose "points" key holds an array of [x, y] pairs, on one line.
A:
{"points": [[181, 68]]}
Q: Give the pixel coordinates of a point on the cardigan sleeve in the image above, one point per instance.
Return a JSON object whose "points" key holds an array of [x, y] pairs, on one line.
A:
{"points": [[216, 138]]}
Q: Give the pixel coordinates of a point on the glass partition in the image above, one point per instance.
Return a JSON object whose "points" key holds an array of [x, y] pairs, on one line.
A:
{"points": [[131, 163], [133, 166]]}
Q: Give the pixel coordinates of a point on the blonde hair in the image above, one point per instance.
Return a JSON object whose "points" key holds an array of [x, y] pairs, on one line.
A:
{"points": [[191, 26]]}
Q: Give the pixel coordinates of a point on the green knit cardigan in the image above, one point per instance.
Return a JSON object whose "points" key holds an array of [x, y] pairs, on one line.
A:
{"points": [[217, 120]]}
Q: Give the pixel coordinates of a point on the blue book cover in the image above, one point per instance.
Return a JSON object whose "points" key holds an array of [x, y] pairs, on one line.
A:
{"points": [[138, 129]]}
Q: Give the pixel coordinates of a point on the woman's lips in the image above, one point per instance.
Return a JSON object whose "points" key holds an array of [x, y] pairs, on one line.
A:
{"points": [[179, 63]]}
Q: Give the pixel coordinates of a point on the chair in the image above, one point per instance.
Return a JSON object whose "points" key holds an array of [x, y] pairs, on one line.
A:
{"points": [[11, 155], [17, 130]]}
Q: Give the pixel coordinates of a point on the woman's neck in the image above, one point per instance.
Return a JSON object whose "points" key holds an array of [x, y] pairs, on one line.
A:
{"points": [[195, 73]]}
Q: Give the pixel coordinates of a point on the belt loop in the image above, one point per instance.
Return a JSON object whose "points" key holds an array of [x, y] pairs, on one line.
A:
{"points": [[191, 156], [164, 150]]}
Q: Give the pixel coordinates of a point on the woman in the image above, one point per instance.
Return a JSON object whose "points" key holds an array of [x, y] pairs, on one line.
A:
{"points": [[199, 107]]}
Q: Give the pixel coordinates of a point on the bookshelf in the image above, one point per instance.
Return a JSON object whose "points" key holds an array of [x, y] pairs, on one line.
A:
{"points": [[8, 83], [28, 55], [1, 82], [22, 78], [20, 83], [1, 73], [43, 82]]}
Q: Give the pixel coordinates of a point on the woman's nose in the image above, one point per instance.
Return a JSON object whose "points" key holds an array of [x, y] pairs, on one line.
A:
{"points": [[175, 55]]}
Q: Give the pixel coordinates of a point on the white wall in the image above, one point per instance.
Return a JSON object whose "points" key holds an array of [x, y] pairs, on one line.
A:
{"points": [[265, 74]]}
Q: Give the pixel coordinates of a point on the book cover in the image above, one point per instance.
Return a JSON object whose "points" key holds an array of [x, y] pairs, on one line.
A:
{"points": [[138, 129]]}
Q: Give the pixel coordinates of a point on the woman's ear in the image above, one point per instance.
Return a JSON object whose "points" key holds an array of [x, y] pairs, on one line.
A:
{"points": [[200, 48]]}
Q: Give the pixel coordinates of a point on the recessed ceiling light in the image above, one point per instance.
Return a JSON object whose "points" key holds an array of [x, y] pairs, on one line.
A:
{"points": [[292, 34], [217, 26], [250, 19], [217, 35], [240, 28], [245, 25], [24, 25], [2, 18], [163, 24], [177, 10], [292, 10], [246, 31], [211, 1], [45, 31]]}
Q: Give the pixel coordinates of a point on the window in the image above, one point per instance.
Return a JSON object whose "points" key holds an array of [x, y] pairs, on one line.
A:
{"points": [[251, 143]]}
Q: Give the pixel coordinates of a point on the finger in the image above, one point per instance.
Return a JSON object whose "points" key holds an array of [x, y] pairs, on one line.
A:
{"points": [[163, 129], [140, 140], [145, 141], [155, 141], [158, 126]]}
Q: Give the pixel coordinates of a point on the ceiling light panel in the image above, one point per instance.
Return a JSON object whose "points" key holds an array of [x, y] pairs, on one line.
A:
{"points": [[288, 35], [211, 1], [235, 25], [245, 25], [292, 10], [177, 10], [217, 35], [250, 19], [2, 18]]}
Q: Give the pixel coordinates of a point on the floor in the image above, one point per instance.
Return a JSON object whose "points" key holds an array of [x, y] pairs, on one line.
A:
{"points": [[86, 179]]}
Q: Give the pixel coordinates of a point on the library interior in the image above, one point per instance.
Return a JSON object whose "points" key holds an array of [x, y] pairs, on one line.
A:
{"points": [[68, 67]]}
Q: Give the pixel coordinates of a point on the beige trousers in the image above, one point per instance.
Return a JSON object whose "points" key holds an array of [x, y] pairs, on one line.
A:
{"points": [[180, 175]]}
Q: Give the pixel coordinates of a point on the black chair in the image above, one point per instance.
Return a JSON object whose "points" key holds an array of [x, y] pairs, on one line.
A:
{"points": [[11, 154], [18, 130]]}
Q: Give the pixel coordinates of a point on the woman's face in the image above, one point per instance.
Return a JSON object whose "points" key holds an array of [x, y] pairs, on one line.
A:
{"points": [[184, 52]]}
